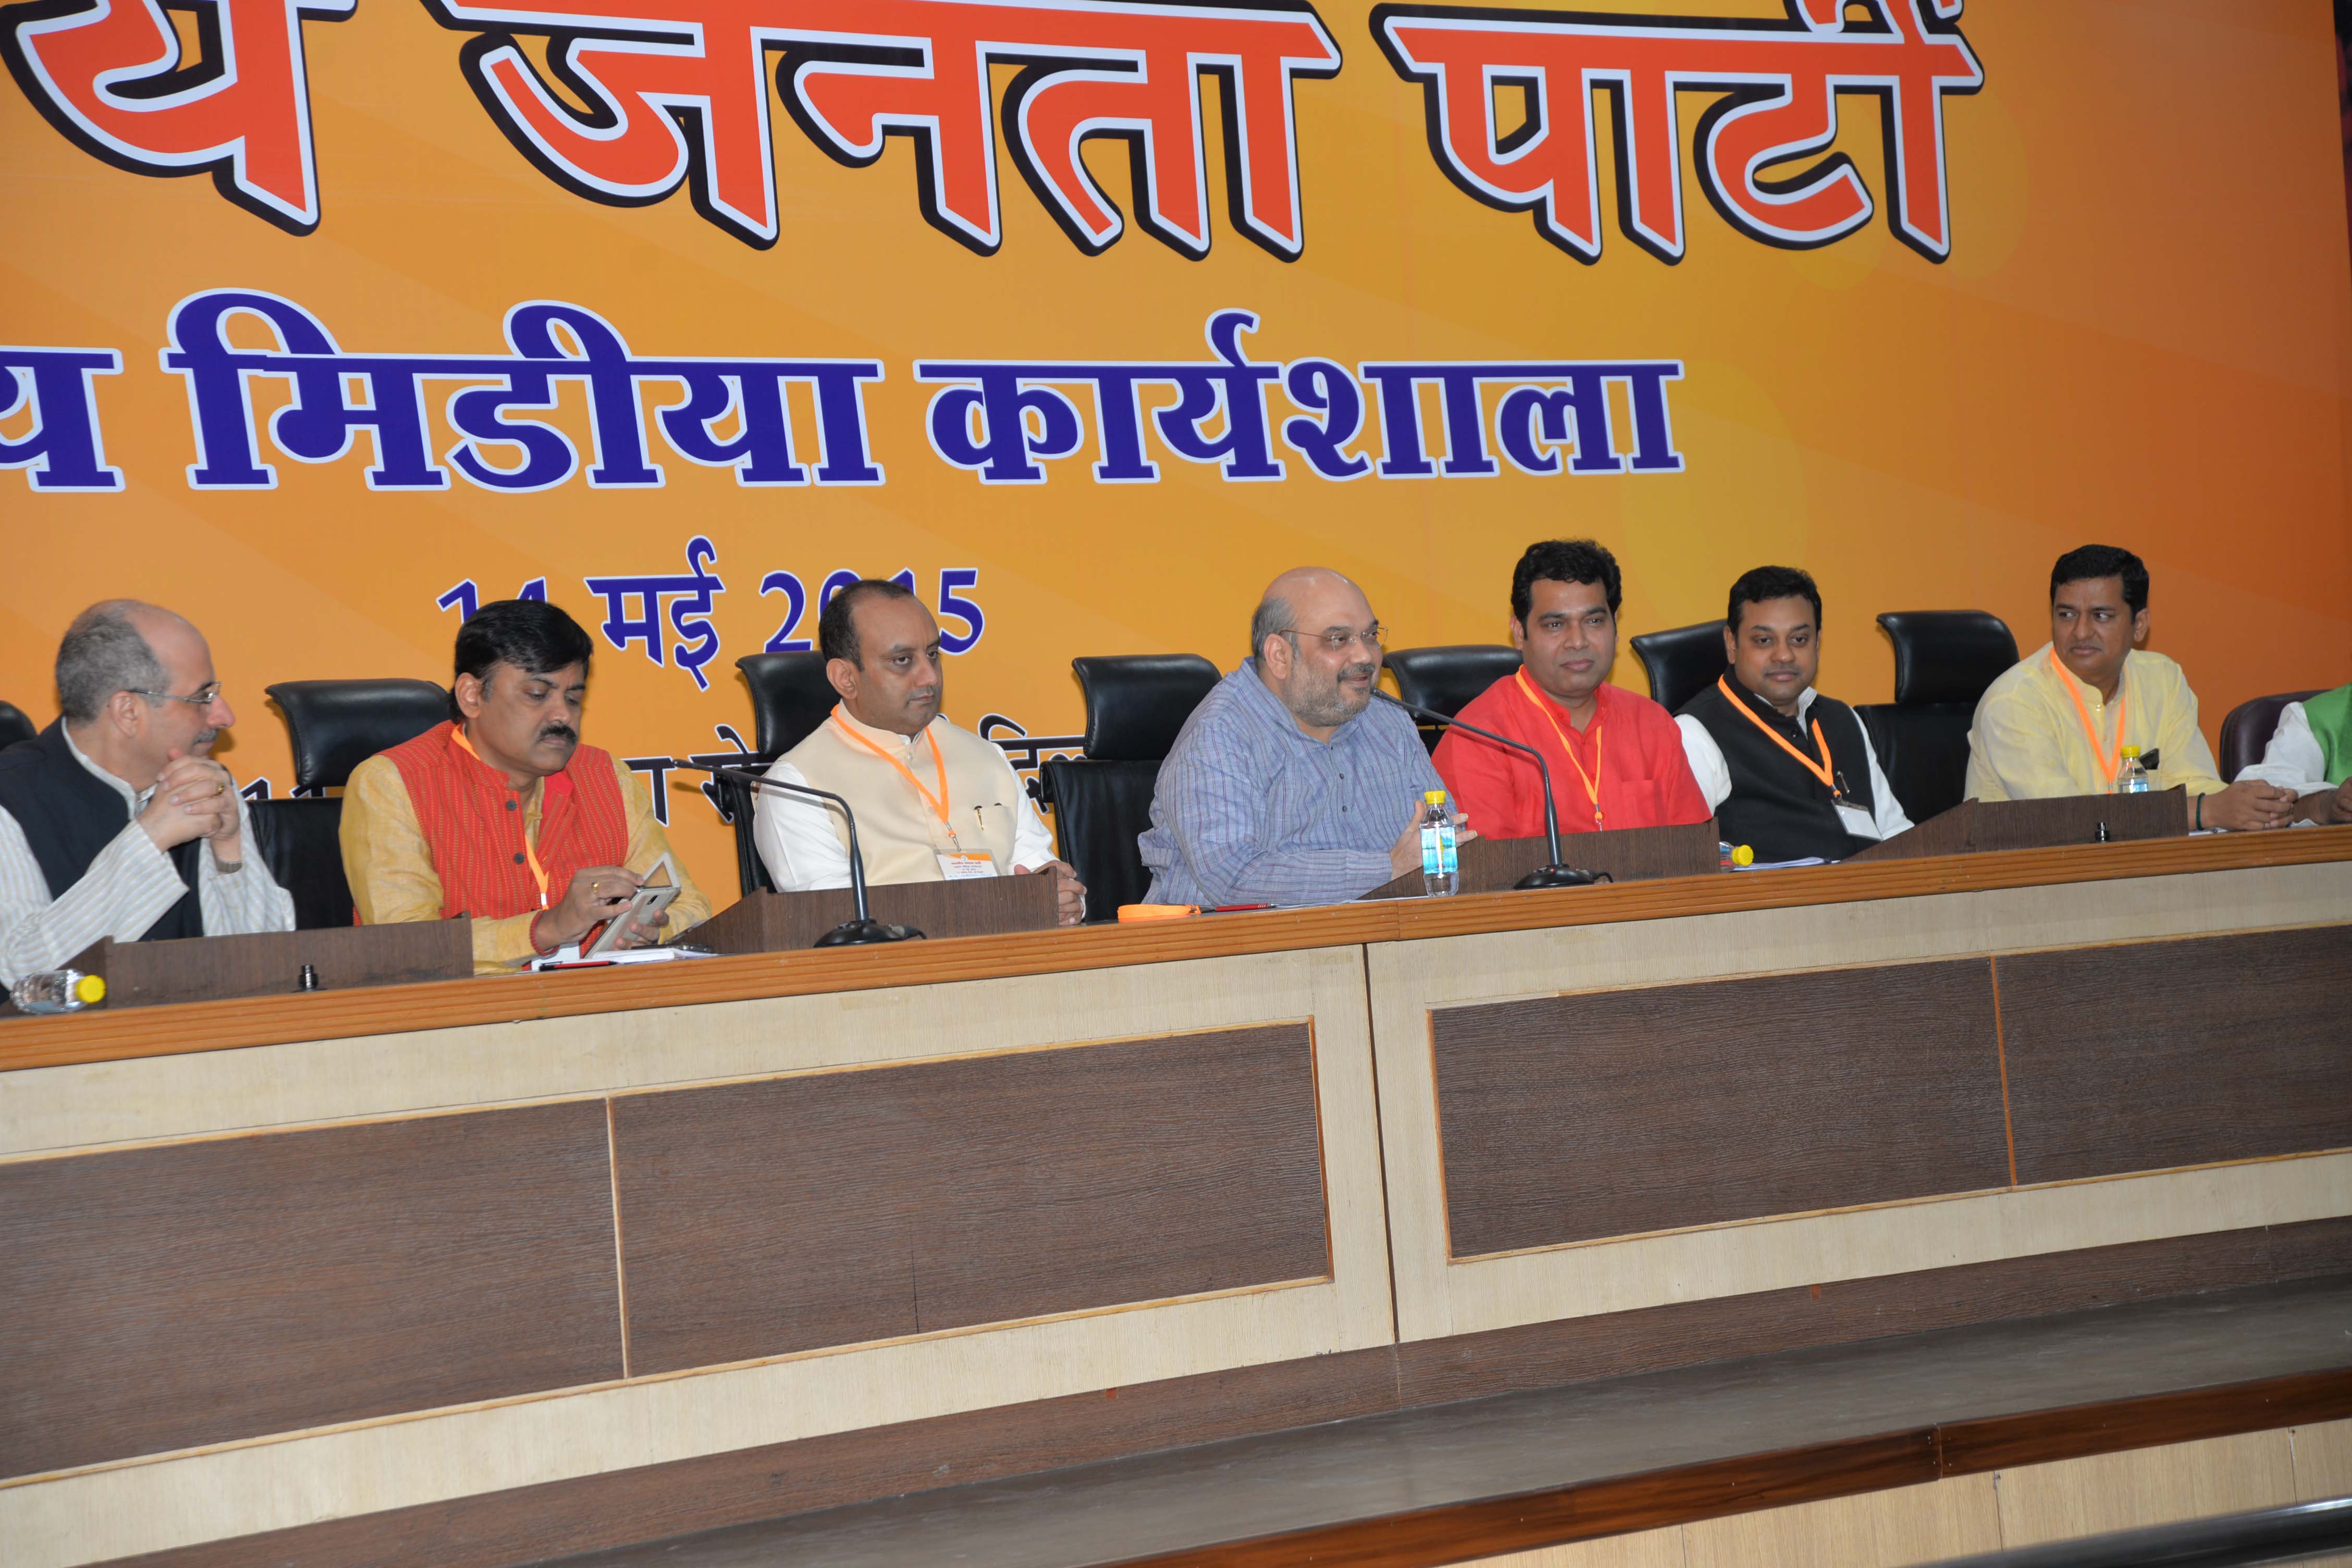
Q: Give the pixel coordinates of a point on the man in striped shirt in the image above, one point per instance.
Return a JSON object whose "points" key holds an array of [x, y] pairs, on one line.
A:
{"points": [[1282, 788], [115, 821]]}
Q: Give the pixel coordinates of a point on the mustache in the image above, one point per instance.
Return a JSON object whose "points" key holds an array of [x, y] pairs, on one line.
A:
{"points": [[1362, 666], [559, 732]]}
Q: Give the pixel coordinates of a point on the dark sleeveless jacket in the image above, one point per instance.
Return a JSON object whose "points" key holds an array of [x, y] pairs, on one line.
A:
{"points": [[70, 816], [1776, 807]]}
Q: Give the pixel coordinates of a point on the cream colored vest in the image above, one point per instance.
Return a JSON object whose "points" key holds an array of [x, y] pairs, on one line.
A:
{"points": [[899, 835]]}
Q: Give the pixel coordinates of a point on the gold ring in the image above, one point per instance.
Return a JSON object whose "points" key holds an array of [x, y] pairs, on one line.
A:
{"points": [[220, 789]]}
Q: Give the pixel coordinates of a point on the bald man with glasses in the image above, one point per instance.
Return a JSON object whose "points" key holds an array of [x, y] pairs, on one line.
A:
{"points": [[1288, 786], [115, 821]]}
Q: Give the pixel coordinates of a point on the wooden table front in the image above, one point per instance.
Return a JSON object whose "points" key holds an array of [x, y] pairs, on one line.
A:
{"points": [[272, 1263]]}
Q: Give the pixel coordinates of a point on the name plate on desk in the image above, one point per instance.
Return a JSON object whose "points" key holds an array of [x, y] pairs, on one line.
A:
{"points": [[215, 968], [780, 923], [1627, 854], [1974, 827]]}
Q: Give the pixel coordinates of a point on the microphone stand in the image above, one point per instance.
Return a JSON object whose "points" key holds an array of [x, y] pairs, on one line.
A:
{"points": [[1552, 875], [848, 933]]}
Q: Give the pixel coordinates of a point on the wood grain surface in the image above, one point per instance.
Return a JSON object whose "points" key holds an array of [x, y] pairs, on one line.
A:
{"points": [[1766, 1322], [269, 963], [1977, 827], [2229, 1048], [785, 922], [527, 1524], [1616, 1112], [1627, 854], [103, 1036], [651, 1502], [160, 1298], [833, 1208]]}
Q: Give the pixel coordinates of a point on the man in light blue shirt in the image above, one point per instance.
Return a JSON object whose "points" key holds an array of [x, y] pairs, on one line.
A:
{"points": [[1281, 789]]}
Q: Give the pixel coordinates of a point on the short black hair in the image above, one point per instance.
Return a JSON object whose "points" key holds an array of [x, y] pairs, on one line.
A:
{"points": [[2092, 560], [535, 636], [836, 634], [1763, 582], [1564, 561]]}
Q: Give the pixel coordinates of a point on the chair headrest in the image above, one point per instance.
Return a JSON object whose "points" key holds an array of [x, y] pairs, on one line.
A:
{"points": [[1947, 656], [1682, 661], [15, 724], [336, 725], [1447, 677], [790, 699], [1136, 703]]}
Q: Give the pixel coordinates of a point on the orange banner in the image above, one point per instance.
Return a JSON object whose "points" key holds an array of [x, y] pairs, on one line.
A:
{"points": [[1092, 316]]}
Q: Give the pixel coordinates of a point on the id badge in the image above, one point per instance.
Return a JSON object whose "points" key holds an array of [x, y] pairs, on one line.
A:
{"points": [[966, 868]]}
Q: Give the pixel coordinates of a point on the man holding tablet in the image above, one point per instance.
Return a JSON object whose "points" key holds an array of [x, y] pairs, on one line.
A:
{"points": [[503, 815]]}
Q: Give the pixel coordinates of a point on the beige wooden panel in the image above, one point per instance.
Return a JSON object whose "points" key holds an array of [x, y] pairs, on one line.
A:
{"points": [[2322, 1461], [56, 1108], [2145, 1486], [143, 1506], [1435, 1298], [1877, 1530], [1650, 1548]]}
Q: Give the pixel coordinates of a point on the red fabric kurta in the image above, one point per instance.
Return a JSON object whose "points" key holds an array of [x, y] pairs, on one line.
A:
{"points": [[1645, 780], [472, 822]]}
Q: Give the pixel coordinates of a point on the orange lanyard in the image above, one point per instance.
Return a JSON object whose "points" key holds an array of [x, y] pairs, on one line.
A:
{"points": [[1819, 770], [2107, 764], [529, 850], [1590, 781], [937, 802]]}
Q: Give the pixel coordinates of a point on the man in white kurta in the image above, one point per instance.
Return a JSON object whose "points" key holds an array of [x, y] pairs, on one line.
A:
{"points": [[934, 802]]}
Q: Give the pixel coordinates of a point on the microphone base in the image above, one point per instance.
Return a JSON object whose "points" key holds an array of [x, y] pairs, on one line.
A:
{"points": [[859, 933], [1557, 877]]}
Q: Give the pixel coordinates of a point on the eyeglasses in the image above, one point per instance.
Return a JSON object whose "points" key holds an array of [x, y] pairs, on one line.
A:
{"points": [[204, 697], [1339, 641]]}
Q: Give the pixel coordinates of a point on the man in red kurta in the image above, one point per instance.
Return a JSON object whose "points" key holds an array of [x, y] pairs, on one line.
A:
{"points": [[1616, 759]]}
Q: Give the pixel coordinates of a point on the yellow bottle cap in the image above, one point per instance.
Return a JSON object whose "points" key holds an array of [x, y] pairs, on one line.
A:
{"points": [[90, 988], [1434, 796], [2131, 751], [1741, 855]]}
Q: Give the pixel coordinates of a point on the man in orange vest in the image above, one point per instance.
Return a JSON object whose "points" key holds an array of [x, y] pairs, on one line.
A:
{"points": [[503, 815]]}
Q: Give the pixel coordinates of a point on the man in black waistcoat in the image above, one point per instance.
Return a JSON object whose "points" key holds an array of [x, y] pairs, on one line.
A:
{"points": [[115, 820], [1791, 772]]}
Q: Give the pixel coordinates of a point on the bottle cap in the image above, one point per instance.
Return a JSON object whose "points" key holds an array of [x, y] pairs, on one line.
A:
{"points": [[1743, 855], [2131, 751], [1434, 796], [90, 988]]}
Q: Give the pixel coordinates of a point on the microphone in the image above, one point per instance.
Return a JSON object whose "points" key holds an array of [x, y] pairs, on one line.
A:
{"points": [[1552, 875], [848, 933]]}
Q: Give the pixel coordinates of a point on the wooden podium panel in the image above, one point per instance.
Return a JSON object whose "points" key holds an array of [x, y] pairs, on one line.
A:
{"points": [[1974, 827], [219, 968], [780, 923], [1628, 855]]}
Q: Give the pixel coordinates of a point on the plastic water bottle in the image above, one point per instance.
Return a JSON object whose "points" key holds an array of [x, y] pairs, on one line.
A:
{"points": [[2130, 777], [57, 990], [1441, 871]]}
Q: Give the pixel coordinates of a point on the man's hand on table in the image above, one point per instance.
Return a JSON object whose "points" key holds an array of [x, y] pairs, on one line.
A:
{"points": [[597, 894], [1070, 893]]}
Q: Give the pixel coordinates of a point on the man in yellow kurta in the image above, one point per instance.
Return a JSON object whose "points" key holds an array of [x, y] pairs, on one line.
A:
{"points": [[2056, 723], [504, 815]]}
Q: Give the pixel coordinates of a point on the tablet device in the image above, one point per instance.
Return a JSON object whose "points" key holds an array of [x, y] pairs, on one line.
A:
{"points": [[645, 909]]}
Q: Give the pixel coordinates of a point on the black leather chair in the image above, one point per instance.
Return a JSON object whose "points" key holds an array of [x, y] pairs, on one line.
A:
{"points": [[2246, 732], [335, 725], [1682, 662], [790, 697], [1944, 660], [1136, 705], [15, 725], [1446, 678]]}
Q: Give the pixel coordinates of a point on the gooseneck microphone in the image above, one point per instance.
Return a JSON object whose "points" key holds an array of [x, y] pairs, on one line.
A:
{"points": [[848, 933], [1552, 875]]}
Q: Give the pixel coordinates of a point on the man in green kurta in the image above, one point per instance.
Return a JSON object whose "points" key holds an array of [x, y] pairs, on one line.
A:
{"points": [[2310, 753]]}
